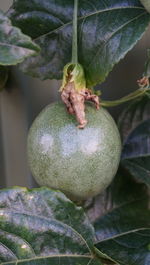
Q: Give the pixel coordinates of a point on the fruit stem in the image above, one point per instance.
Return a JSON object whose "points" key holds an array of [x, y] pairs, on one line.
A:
{"points": [[75, 34], [138, 93]]}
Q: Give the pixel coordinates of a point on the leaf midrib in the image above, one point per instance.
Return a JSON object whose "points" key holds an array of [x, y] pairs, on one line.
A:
{"points": [[135, 157], [52, 219], [20, 58], [19, 237], [123, 234], [9, 250], [16, 46], [52, 256], [137, 165], [124, 205]]}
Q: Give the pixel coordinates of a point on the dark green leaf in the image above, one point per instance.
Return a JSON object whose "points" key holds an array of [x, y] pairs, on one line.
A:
{"points": [[3, 77], [137, 143], [135, 113], [136, 152], [14, 45], [129, 248], [134, 128], [123, 232], [107, 31], [123, 190], [42, 226], [139, 168], [147, 65]]}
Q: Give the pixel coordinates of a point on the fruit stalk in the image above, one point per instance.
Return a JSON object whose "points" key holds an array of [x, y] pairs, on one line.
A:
{"points": [[73, 90], [75, 34]]}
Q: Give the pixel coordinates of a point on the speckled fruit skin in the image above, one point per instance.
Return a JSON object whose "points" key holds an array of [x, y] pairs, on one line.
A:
{"points": [[79, 162], [146, 4]]}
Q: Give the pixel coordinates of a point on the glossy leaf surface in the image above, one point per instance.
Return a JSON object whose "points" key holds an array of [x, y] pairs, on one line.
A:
{"points": [[135, 129], [137, 143], [136, 152], [123, 230], [42, 226], [107, 31], [14, 45], [135, 113], [139, 168]]}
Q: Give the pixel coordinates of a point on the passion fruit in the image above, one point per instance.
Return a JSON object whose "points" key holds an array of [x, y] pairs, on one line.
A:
{"points": [[146, 4], [79, 162]]}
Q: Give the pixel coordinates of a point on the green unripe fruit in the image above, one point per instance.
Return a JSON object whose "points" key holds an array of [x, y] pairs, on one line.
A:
{"points": [[81, 163], [146, 4]]}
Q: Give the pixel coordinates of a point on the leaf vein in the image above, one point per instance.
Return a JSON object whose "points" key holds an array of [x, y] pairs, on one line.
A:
{"points": [[111, 35], [25, 241], [123, 234], [52, 256], [45, 218], [86, 16], [9, 250]]}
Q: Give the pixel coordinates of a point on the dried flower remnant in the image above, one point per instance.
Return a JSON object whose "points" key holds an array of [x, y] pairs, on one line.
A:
{"points": [[74, 94], [143, 82]]}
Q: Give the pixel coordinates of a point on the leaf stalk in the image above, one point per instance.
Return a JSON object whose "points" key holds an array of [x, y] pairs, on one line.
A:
{"points": [[138, 93]]}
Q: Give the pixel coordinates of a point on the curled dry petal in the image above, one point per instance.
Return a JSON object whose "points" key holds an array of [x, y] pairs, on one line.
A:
{"points": [[143, 82], [75, 101]]}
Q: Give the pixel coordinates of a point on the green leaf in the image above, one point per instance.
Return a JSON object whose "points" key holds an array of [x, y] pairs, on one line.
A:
{"points": [[147, 65], [42, 226], [134, 126], [123, 231], [135, 113], [14, 45], [136, 152], [3, 77], [139, 168], [123, 190], [107, 31]]}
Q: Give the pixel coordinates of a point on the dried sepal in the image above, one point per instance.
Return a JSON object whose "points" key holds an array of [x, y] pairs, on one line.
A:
{"points": [[74, 93], [143, 82]]}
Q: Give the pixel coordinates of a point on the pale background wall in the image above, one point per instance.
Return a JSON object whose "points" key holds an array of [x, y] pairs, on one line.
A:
{"points": [[25, 98]]}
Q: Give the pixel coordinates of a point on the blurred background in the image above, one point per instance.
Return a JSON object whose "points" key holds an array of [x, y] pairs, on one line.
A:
{"points": [[25, 97]]}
